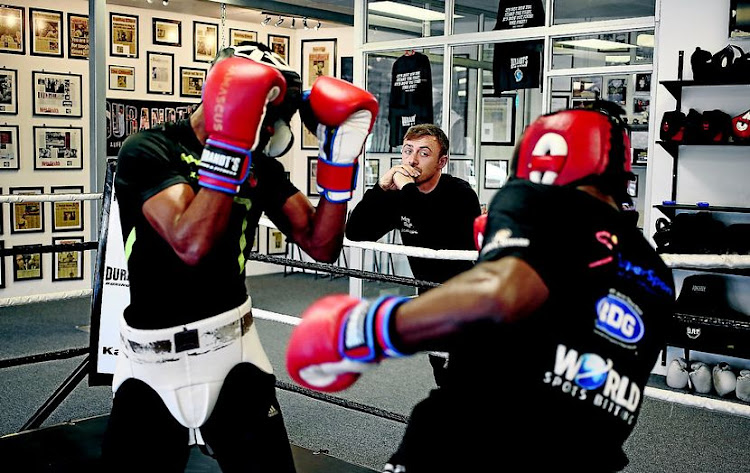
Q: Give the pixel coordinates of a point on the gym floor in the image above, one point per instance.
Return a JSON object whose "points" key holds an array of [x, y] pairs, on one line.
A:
{"points": [[354, 431]]}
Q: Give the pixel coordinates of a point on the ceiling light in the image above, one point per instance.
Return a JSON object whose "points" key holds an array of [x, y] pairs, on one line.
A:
{"points": [[304, 23], [165, 2], [279, 22], [617, 58], [593, 43], [266, 21], [405, 11], [645, 40], [294, 20], [317, 27]]}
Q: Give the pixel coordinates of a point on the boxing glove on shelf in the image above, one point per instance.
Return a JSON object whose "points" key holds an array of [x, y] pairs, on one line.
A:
{"points": [[235, 96], [743, 386], [725, 380], [339, 338], [341, 115], [700, 377], [677, 374]]}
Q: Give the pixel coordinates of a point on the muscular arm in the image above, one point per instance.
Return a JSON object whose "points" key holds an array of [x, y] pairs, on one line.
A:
{"points": [[191, 223], [505, 290]]}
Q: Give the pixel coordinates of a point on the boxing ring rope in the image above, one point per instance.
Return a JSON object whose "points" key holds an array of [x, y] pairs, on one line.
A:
{"points": [[672, 260]]}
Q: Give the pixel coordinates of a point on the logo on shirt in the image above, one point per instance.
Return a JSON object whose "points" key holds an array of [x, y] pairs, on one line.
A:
{"points": [[503, 238], [619, 317], [590, 378], [407, 226]]}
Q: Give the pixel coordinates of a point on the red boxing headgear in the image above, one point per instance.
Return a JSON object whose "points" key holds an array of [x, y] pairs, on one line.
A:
{"points": [[570, 145]]}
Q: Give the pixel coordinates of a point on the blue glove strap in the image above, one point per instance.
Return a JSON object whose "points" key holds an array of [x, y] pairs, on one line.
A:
{"points": [[358, 340]]}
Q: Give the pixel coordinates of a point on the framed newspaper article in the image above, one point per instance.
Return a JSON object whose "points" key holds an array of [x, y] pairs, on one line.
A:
{"points": [[276, 242], [160, 68], [280, 45], [46, 32], [9, 91], [121, 78], [123, 35], [236, 36], [167, 32], [27, 265], [67, 216], [58, 148], [9, 148], [57, 94], [26, 216], [67, 265], [78, 36], [318, 59], [191, 81], [12, 37], [312, 176], [205, 41]]}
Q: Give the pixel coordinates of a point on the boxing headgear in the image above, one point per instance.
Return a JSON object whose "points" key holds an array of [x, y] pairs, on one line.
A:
{"points": [[741, 127], [276, 136], [577, 147]]}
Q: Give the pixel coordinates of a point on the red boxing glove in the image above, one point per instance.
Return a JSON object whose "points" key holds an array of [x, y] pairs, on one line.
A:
{"points": [[338, 339], [341, 115], [235, 96], [480, 225]]}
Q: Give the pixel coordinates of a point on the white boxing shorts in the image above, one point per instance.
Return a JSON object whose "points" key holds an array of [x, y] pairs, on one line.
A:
{"points": [[186, 365]]}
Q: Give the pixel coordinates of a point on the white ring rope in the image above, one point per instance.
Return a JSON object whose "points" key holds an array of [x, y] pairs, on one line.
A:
{"points": [[13, 198], [707, 261]]}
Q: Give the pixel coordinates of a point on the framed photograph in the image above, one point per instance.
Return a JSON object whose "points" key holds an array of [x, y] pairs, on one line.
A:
{"points": [[347, 68], [236, 36], [372, 172], [122, 78], [67, 264], [312, 176], [633, 186], [27, 265], [191, 81], [57, 94], [276, 242], [309, 140], [205, 41], [67, 216], [318, 59], [78, 36], [9, 148], [640, 105], [58, 148], [558, 102], [256, 240], [587, 87], [280, 45], [123, 34], [495, 173], [46, 32], [395, 161], [13, 21], [643, 82], [461, 168], [640, 156], [617, 90], [499, 120], [160, 69], [26, 217], [2, 266], [167, 32]]}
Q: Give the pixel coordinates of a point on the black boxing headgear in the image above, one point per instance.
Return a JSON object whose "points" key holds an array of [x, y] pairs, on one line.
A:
{"points": [[577, 147], [276, 135]]}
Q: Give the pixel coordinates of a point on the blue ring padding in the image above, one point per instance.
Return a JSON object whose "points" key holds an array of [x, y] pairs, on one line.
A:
{"points": [[221, 144]]}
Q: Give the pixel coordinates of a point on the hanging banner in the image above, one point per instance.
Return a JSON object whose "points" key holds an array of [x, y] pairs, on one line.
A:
{"points": [[125, 117]]}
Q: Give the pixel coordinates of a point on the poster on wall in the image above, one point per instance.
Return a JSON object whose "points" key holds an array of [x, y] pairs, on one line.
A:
{"points": [[318, 59], [57, 94], [125, 117], [78, 36], [205, 40], [67, 215], [191, 81], [236, 36], [121, 78], [58, 147], [9, 91], [160, 68], [46, 32], [123, 35], [27, 265], [27, 216], [9, 148], [11, 30], [280, 45], [67, 264]]}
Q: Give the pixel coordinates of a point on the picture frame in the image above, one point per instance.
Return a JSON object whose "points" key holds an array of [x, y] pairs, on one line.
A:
{"points": [[57, 94], [372, 172], [57, 147], [633, 186], [499, 119], [587, 87], [309, 140], [643, 82], [9, 148], [256, 241], [15, 39], [640, 156], [312, 176], [160, 70], [395, 161], [205, 41], [280, 45], [123, 34], [2, 219], [347, 68], [46, 32], [495, 173], [559, 102], [318, 59], [2, 266], [78, 36], [27, 266], [121, 78], [67, 265], [191, 81], [67, 216], [461, 168], [236, 36], [166, 32], [275, 242], [617, 90], [26, 217]]}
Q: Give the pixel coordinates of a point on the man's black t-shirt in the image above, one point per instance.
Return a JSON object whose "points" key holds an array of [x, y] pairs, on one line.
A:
{"points": [[513, 14], [566, 383], [410, 102], [164, 291], [441, 220], [516, 65]]}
